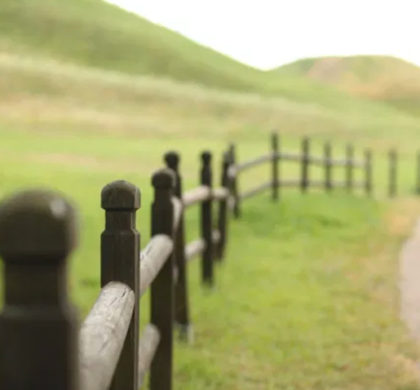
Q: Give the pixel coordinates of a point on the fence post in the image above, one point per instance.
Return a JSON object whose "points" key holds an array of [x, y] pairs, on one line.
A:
{"points": [[328, 166], [392, 189], [368, 172], [275, 165], [120, 257], [38, 326], [234, 184], [162, 289], [206, 222], [304, 182], [418, 174], [349, 167], [223, 217], [182, 318]]}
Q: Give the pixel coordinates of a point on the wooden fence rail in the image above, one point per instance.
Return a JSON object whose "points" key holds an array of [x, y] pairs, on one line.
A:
{"points": [[42, 346], [306, 161]]}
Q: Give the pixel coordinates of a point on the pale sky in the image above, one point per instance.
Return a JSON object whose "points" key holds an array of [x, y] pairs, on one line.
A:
{"points": [[268, 33]]}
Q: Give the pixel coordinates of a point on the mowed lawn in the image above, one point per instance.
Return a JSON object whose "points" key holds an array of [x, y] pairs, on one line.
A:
{"points": [[306, 298]]}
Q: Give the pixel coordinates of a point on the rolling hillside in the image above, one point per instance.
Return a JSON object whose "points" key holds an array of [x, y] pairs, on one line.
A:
{"points": [[378, 78], [97, 34]]}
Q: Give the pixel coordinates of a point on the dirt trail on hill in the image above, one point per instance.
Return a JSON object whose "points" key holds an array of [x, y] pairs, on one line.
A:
{"points": [[410, 282]]}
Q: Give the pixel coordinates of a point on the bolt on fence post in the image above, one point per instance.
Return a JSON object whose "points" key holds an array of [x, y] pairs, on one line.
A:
{"points": [[368, 172], [275, 166], [304, 181], [120, 258], [328, 167], [162, 289], [392, 189], [206, 222], [223, 217], [182, 318], [349, 167], [38, 336], [234, 184], [418, 174]]}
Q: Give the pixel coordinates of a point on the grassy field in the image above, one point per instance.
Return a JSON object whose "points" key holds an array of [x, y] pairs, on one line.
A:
{"points": [[307, 297]]}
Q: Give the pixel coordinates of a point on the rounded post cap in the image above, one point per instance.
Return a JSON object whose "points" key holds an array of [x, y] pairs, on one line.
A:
{"points": [[120, 195], [206, 157], [37, 226], [172, 160], [164, 179]]}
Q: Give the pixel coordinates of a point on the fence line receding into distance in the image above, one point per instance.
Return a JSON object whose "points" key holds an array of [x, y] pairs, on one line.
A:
{"points": [[42, 345]]}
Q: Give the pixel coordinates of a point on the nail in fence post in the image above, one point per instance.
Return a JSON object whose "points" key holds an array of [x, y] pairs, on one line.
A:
{"points": [[418, 174], [368, 172], [223, 216], [182, 319], [234, 184], [120, 257], [328, 167], [349, 167], [38, 326], [304, 183], [162, 289], [392, 189], [206, 222], [275, 165]]}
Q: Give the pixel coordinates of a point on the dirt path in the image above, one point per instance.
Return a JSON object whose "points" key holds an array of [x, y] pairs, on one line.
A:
{"points": [[410, 282]]}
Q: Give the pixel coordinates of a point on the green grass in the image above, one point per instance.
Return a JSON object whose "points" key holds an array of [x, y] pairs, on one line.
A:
{"points": [[306, 298]]}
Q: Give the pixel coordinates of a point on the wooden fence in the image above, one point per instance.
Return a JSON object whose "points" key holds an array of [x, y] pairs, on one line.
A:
{"points": [[41, 343]]}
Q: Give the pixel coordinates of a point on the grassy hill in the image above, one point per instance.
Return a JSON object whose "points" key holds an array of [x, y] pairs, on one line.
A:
{"points": [[97, 34], [90, 94], [379, 78]]}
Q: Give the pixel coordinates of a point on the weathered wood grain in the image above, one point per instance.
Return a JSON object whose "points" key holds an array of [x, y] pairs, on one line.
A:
{"points": [[102, 335], [194, 249], [153, 257], [178, 209], [149, 342], [254, 162], [220, 193], [196, 195]]}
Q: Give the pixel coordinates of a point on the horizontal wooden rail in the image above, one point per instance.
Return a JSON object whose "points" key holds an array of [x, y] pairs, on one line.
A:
{"points": [[319, 161], [253, 163], [148, 344], [220, 193], [153, 257], [177, 211], [215, 236], [256, 190], [196, 195], [289, 157], [317, 183], [194, 249], [102, 335]]}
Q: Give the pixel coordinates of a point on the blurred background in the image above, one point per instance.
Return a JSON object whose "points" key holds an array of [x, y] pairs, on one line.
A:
{"points": [[91, 92]]}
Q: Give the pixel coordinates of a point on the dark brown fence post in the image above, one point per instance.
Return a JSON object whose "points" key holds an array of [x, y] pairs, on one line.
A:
{"points": [[162, 290], [328, 166], [120, 257], [206, 222], [304, 182], [38, 326], [234, 184], [275, 166], [349, 167], [368, 172], [418, 174], [223, 216], [392, 189], [182, 318]]}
